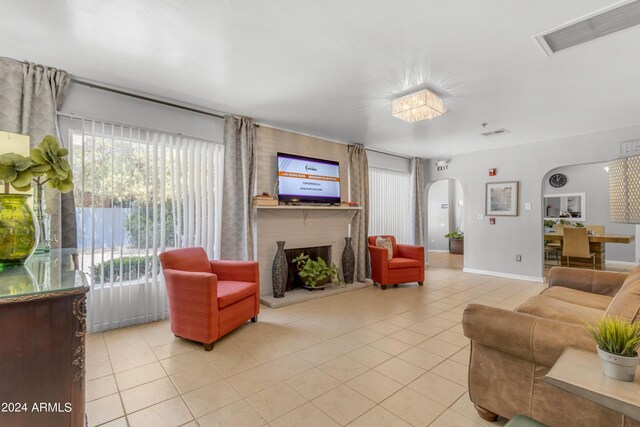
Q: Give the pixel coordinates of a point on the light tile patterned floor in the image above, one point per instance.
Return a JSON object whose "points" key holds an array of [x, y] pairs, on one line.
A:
{"points": [[364, 358]]}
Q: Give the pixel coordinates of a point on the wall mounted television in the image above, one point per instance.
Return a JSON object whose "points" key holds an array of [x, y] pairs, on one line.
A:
{"points": [[307, 179]]}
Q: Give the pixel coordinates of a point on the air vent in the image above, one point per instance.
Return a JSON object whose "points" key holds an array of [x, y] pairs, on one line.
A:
{"points": [[600, 24], [495, 132]]}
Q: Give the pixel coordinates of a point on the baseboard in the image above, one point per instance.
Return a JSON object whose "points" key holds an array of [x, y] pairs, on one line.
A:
{"points": [[504, 275], [438, 251], [627, 263]]}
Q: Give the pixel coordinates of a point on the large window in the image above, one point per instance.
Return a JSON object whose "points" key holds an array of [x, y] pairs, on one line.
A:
{"points": [[389, 203], [138, 193]]}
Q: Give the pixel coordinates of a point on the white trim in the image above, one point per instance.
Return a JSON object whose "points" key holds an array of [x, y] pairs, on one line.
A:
{"points": [[504, 275], [439, 251], [629, 263]]}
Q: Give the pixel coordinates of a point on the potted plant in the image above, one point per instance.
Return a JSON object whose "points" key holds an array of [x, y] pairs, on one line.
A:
{"points": [[315, 274], [21, 229], [617, 342], [456, 242], [548, 225]]}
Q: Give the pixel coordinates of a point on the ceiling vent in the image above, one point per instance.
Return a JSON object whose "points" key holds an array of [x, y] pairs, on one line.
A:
{"points": [[495, 132], [602, 23]]}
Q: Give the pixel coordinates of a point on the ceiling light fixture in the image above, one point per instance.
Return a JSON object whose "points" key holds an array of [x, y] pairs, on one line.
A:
{"points": [[421, 105]]}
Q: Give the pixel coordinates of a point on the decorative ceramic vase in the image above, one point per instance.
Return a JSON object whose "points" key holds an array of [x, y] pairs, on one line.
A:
{"points": [[348, 261], [43, 220], [279, 271], [18, 229]]}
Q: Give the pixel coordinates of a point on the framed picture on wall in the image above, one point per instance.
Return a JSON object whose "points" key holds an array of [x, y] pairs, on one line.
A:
{"points": [[501, 198]]}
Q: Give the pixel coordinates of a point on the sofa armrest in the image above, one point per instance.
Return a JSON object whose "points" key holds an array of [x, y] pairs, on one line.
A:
{"points": [[522, 335], [411, 252], [593, 281], [241, 271]]}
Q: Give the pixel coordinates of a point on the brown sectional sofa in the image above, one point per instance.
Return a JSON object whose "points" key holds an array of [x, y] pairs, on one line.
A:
{"points": [[512, 351]]}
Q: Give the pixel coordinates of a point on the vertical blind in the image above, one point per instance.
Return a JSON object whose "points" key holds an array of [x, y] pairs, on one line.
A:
{"points": [[138, 192], [389, 203]]}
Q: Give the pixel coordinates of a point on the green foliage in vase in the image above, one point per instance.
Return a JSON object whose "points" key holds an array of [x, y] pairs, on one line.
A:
{"points": [[313, 272], [616, 336], [47, 160], [455, 235]]}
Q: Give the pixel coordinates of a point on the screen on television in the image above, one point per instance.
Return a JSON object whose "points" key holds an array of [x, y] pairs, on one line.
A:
{"points": [[305, 179]]}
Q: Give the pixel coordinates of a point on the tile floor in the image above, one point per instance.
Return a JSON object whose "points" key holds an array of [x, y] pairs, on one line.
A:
{"points": [[365, 358]]}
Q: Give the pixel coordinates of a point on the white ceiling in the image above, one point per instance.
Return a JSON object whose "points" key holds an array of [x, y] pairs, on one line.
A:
{"points": [[329, 68]]}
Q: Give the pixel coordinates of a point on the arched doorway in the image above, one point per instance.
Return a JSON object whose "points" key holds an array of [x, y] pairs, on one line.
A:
{"points": [[445, 228]]}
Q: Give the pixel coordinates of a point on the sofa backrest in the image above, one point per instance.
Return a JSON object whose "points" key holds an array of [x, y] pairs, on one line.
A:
{"points": [[186, 259], [626, 303]]}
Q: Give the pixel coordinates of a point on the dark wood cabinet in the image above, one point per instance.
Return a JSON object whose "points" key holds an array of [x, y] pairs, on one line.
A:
{"points": [[42, 348]]}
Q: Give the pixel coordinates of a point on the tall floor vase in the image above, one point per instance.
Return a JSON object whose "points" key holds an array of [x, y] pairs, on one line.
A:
{"points": [[279, 271], [348, 261]]}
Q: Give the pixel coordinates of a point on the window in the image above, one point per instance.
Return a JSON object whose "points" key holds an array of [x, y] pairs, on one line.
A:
{"points": [[389, 203], [138, 193]]}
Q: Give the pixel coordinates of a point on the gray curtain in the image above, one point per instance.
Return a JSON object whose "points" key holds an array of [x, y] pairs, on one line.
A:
{"points": [[30, 96], [416, 203], [238, 188], [359, 187]]}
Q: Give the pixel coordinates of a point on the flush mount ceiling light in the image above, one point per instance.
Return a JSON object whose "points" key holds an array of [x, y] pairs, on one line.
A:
{"points": [[421, 105]]}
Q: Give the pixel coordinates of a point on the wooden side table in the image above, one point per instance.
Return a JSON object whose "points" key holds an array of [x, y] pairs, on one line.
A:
{"points": [[579, 372], [43, 327]]}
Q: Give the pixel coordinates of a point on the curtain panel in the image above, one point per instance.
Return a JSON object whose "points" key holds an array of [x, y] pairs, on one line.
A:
{"points": [[31, 97], [359, 192], [416, 203], [389, 192], [238, 189], [138, 193]]}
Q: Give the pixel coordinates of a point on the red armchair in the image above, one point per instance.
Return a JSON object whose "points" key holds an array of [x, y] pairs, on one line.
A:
{"points": [[208, 299], [407, 264]]}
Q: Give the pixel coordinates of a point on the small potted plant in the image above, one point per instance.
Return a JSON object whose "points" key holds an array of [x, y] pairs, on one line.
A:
{"points": [[315, 274], [548, 225], [617, 342], [456, 242]]}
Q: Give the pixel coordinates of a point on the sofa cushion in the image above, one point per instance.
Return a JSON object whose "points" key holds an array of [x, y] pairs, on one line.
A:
{"points": [[549, 307], [398, 263], [574, 296], [230, 292], [626, 303], [386, 244]]}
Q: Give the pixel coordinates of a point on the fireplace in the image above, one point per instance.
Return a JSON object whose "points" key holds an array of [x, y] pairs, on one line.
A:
{"points": [[293, 280]]}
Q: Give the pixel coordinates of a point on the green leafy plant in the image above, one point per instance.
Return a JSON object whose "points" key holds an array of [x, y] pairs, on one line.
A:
{"points": [[455, 235], [140, 226], [616, 336], [549, 223], [125, 268], [313, 272], [47, 164]]}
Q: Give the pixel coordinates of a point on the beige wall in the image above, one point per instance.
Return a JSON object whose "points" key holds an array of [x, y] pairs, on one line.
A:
{"points": [[271, 141]]}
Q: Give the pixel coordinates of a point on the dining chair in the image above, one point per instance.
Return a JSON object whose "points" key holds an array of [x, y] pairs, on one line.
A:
{"points": [[576, 244], [597, 230]]}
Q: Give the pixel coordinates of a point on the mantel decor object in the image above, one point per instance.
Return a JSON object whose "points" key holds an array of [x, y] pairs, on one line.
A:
{"points": [[279, 271], [18, 229], [47, 164], [348, 261]]}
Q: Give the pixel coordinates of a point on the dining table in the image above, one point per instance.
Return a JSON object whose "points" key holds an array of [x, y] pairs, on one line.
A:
{"points": [[596, 245]]}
